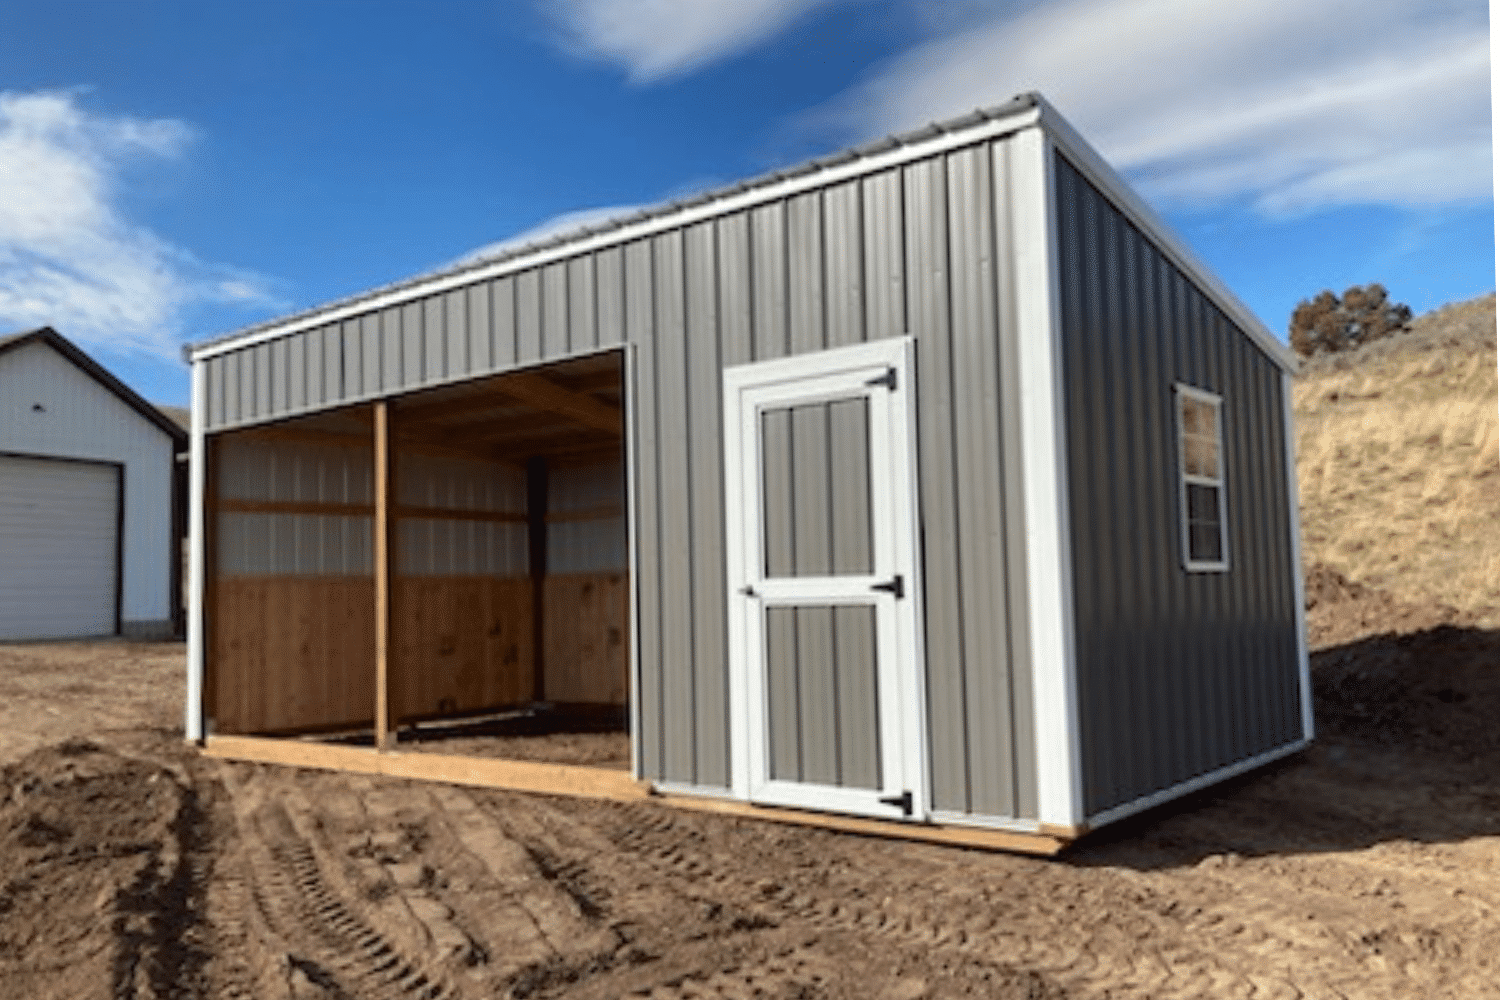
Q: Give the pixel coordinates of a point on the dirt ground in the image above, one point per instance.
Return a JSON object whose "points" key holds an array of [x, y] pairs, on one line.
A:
{"points": [[131, 867]]}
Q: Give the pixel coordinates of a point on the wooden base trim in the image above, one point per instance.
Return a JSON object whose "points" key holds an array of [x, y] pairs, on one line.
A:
{"points": [[515, 775], [598, 783], [952, 836]]}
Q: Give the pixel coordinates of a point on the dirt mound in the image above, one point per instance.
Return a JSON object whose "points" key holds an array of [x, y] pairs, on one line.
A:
{"points": [[95, 889], [1340, 610]]}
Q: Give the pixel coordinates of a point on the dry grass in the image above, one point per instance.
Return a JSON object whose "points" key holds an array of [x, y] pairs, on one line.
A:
{"points": [[1398, 457]]}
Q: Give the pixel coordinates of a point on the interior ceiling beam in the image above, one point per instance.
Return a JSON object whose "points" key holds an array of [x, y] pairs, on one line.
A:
{"points": [[544, 394]]}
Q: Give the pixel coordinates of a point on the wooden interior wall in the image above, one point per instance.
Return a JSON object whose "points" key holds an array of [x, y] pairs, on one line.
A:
{"points": [[462, 643], [587, 623], [293, 653]]}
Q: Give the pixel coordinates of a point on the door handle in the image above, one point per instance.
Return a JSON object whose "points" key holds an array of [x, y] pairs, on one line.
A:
{"points": [[895, 585], [747, 590]]}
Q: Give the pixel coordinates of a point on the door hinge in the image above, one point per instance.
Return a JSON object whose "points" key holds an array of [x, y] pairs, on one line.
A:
{"points": [[888, 379], [903, 801], [895, 585]]}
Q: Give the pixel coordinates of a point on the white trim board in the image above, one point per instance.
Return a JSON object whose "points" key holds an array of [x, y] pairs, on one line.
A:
{"points": [[1049, 558], [1294, 512]]}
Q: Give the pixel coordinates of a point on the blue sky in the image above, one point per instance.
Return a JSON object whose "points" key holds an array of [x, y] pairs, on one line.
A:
{"points": [[171, 171]]}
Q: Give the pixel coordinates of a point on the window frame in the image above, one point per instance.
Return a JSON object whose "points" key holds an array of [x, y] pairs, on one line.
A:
{"points": [[1181, 392]]}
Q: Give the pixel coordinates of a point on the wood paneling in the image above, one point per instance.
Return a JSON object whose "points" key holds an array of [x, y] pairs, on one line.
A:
{"points": [[586, 622], [462, 643], [293, 652]]}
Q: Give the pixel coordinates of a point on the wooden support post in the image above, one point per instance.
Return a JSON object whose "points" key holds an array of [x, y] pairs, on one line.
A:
{"points": [[210, 576], [536, 540], [385, 468]]}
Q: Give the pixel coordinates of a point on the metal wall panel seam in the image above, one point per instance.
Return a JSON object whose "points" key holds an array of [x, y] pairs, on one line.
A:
{"points": [[705, 463], [723, 204], [1049, 556], [192, 723], [979, 483], [640, 319], [929, 301], [674, 500], [1294, 525]]}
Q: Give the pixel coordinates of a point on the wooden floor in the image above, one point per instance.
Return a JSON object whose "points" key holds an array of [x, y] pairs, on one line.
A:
{"points": [[600, 783]]}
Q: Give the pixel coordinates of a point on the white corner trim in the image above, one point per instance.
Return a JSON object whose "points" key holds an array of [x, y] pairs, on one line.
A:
{"points": [[1103, 176], [192, 723], [1194, 784], [1299, 585], [1045, 487], [632, 511]]}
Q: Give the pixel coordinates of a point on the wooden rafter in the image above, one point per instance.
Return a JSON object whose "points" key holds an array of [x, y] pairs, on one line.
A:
{"points": [[545, 394]]}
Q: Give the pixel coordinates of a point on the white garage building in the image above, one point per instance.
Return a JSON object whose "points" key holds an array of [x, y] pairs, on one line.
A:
{"points": [[88, 509]]}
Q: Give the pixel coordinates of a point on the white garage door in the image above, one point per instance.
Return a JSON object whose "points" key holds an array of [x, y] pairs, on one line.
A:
{"points": [[59, 545]]}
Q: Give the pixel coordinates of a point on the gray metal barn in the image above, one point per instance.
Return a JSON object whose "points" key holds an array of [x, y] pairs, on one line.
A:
{"points": [[933, 483]]}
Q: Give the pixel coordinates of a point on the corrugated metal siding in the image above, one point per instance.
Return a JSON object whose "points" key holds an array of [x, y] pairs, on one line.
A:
{"points": [[452, 545], [586, 519], [82, 419], [921, 248], [254, 543], [1179, 673]]}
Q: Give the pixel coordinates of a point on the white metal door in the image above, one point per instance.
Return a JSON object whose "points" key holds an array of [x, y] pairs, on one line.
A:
{"points": [[59, 548], [825, 651]]}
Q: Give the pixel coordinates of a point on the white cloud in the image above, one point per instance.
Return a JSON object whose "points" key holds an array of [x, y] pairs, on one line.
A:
{"points": [[1287, 104], [567, 222], [656, 39], [68, 259]]}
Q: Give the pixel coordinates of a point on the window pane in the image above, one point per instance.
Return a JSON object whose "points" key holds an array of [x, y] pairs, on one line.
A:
{"points": [[1203, 543], [1197, 416], [1200, 457], [1203, 504]]}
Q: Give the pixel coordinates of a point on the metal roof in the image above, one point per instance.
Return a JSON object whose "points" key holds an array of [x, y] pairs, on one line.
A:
{"points": [[1021, 111]]}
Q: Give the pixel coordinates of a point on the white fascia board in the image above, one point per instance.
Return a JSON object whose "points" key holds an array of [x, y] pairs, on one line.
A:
{"points": [[821, 177], [1294, 514], [1103, 176], [193, 705], [1049, 558]]}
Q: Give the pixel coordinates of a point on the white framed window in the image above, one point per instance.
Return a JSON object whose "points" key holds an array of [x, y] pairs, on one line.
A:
{"points": [[1200, 456]]}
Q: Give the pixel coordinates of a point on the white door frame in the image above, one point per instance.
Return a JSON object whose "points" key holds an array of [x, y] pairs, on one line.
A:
{"points": [[883, 372]]}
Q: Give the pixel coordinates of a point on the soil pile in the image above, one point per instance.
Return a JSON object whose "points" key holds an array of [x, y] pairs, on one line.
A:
{"points": [[96, 885]]}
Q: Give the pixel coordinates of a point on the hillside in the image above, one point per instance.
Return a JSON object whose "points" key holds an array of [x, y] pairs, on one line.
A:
{"points": [[1397, 462]]}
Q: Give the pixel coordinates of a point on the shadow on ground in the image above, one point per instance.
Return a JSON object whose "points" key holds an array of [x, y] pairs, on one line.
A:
{"points": [[1407, 749]]}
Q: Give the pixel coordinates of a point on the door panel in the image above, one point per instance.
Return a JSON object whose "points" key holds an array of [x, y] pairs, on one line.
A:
{"points": [[825, 652]]}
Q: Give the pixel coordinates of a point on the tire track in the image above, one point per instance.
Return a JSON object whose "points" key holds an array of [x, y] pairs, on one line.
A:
{"points": [[1136, 953], [326, 945]]}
